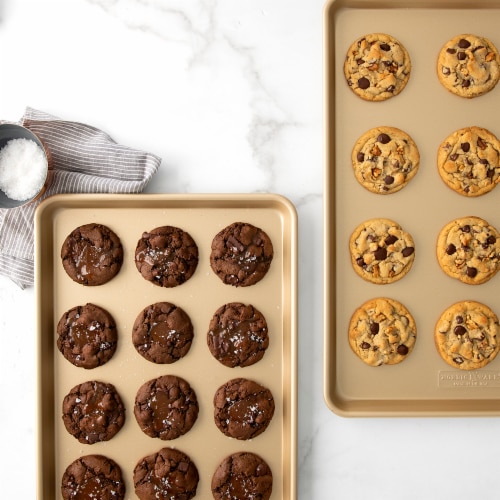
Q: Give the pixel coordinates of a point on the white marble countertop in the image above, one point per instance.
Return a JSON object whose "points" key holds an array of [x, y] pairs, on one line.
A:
{"points": [[229, 94]]}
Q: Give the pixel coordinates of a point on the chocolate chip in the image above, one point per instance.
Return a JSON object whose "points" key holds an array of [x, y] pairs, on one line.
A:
{"points": [[363, 83], [451, 51], [388, 180], [385, 46], [471, 272], [461, 56], [481, 144], [391, 88], [451, 249], [383, 138], [491, 240], [407, 251], [365, 345], [374, 328], [391, 239], [463, 43], [459, 319], [360, 156], [402, 349], [465, 147], [380, 253], [360, 262], [466, 228], [466, 83], [459, 330], [453, 157]]}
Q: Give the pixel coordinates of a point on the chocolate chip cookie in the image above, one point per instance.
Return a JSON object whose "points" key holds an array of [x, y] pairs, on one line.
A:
{"points": [[166, 407], [169, 474], [385, 159], [238, 335], [468, 65], [167, 256], [92, 254], [377, 67], [382, 332], [93, 412], [381, 251], [466, 335], [162, 333], [93, 476], [241, 254], [468, 249], [87, 336], [242, 475], [469, 161], [243, 409]]}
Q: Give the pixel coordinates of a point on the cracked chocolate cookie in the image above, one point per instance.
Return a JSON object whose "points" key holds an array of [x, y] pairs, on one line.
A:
{"points": [[162, 333], [242, 475], [466, 335], [238, 335], [468, 249], [468, 65], [92, 254], [167, 256], [87, 336], [169, 473], [243, 409], [382, 332], [469, 161], [241, 254], [93, 476], [381, 251], [93, 412], [377, 67], [385, 159], [166, 407]]}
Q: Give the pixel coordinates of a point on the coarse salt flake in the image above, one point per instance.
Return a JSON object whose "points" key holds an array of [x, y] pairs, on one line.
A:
{"points": [[23, 169]]}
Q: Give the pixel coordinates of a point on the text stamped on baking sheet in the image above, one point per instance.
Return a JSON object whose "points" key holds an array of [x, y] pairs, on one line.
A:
{"points": [[469, 379]]}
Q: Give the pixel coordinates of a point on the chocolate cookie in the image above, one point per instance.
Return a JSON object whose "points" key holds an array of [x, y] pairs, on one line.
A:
{"points": [[242, 475], [468, 65], [168, 474], [238, 335], [92, 254], [385, 159], [162, 333], [93, 477], [381, 251], [87, 336], [469, 161], [166, 256], [166, 407], [93, 412], [243, 409], [468, 249], [466, 335], [382, 332], [377, 67], [241, 254]]}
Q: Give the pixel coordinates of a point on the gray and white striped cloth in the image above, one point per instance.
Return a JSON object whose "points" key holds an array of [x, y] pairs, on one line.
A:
{"points": [[85, 160]]}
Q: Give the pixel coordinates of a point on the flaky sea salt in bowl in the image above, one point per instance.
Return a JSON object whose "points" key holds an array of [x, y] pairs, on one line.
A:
{"points": [[24, 166]]}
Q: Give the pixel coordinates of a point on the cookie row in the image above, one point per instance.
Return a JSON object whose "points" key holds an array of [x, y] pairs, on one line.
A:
{"points": [[385, 159], [467, 249], [382, 331], [167, 256], [377, 66], [162, 333], [168, 473], [166, 407]]}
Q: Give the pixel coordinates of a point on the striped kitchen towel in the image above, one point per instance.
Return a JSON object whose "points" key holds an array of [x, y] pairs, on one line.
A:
{"points": [[84, 160]]}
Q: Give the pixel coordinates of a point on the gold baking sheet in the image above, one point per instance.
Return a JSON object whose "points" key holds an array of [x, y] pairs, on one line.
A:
{"points": [[423, 385], [128, 293]]}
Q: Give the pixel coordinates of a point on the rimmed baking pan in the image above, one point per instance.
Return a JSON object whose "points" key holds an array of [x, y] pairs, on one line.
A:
{"points": [[202, 216], [422, 385]]}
